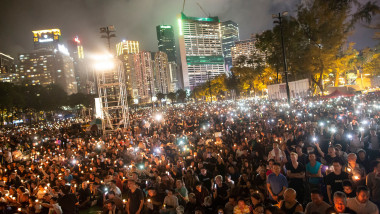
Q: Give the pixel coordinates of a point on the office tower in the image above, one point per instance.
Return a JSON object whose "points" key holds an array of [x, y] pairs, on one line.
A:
{"points": [[8, 69], [230, 34], [173, 69], [242, 48], [125, 51], [143, 76], [166, 42], [127, 47], [45, 67], [82, 76], [162, 80], [46, 39], [200, 48]]}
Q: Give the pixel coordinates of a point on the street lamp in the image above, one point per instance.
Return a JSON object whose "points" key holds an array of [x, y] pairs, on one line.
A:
{"points": [[279, 21]]}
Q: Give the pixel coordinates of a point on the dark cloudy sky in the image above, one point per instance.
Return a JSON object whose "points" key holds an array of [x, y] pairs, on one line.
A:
{"points": [[133, 19]]}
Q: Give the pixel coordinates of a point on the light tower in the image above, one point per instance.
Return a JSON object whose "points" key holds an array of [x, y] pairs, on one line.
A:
{"points": [[112, 93]]}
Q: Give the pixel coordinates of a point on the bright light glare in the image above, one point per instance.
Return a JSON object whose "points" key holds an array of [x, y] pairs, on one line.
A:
{"points": [[103, 62], [158, 117], [104, 65]]}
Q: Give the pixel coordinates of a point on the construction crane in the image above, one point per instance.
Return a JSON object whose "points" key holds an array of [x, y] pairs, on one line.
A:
{"points": [[207, 15]]}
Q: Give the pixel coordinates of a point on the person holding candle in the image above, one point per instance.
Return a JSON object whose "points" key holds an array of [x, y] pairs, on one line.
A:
{"points": [[335, 179], [355, 171]]}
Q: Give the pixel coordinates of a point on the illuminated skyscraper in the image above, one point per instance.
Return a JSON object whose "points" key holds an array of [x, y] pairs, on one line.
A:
{"points": [[162, 80], [242, 48], [82, 76], [45, 67], [126, 51], [230, 34], [201, 49], [8, 69], [166, 43], [143, 77], [127, 47], [47, 39]]}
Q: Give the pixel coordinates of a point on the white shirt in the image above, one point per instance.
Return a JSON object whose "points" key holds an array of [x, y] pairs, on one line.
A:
{"points": [[56, 209], [362, 208]]}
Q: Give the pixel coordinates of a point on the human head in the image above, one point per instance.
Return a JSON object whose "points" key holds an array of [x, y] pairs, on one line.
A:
{"points": [[219, 179], [290, 195], [111, 194], [347, 186], [316, 196], [276, 168], [132, 184], [294, 156], [337, 166], [351, 158], [255, 198], [362, 194], [241, 202], [340, 201], [312, 157], [110, 205]]}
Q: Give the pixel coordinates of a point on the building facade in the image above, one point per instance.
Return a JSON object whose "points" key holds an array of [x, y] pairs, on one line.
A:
{"points": [[242, 48], [127, 47], [8, 69], [201, 49], [162, 80], [230, 34], [45, 67], [46, 39], [166, 42], [82, 76], [143, 76], [126, 51]]}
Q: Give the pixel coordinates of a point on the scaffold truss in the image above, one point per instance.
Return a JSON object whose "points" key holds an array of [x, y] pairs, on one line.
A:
{"points": [[113, 95]]}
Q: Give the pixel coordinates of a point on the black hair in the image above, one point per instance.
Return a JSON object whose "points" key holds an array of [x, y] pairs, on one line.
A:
{"points": [[316, 191]]}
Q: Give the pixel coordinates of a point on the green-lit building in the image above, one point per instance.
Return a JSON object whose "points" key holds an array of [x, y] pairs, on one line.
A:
{"points": [[201, 49], [166, 42]]}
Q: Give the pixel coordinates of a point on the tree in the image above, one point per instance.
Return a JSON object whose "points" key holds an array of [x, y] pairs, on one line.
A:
{"points": [[326, 25], [172, 96], [181, 95], [160, 96]]}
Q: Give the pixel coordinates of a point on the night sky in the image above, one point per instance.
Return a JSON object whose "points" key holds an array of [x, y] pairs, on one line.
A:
{"points": [[133, 19]]}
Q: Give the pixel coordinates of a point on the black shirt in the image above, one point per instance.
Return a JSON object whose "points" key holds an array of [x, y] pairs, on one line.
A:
{"points": [[84, 194], [135, 199], [336, 181], [67, 203], [295, 182]]}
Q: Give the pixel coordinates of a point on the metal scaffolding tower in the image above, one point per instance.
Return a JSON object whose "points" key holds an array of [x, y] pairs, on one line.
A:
{"points": [[113, 95]]}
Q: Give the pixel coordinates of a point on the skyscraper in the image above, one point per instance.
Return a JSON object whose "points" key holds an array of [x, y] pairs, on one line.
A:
{"points": [[242, 48], [7, 69], [230, 34], [162, 73], [47, 39], [81, 75], [127, 47], [166, 43], [126, 51], [45, 67], [201, 49], [143, 72]]}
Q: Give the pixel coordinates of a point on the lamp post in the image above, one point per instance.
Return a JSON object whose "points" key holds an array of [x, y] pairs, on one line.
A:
{"points": [[279, 21]]}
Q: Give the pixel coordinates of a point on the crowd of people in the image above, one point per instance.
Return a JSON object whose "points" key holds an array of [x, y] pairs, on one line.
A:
{"points": [[235, 157]]}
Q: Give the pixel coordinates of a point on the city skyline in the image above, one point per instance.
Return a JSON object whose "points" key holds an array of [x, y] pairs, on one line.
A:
{"points": [[134, 20]]}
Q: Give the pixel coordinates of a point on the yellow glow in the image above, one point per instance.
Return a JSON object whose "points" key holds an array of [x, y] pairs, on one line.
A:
{"points": [[54, 31]]}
